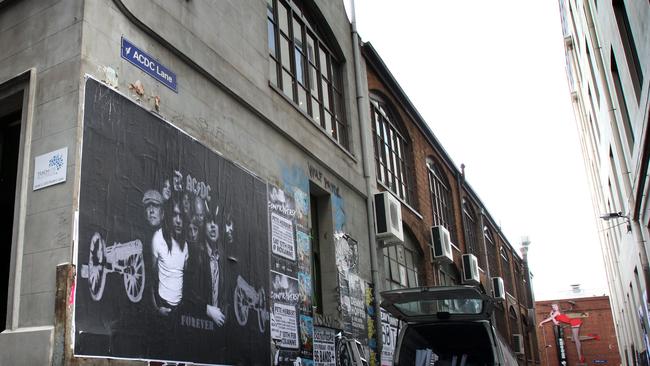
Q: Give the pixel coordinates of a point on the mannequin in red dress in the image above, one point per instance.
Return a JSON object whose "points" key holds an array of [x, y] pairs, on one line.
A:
{"points": [[557, 317]]}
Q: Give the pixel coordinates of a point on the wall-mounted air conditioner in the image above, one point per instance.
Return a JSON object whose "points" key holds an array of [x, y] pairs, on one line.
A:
{"points": [[518, 344], [498, 289], [470, 269], [441, 245], [388, 218]]}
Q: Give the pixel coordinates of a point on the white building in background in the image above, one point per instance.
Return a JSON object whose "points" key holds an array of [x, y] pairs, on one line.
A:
{"points": [[607, 45]]}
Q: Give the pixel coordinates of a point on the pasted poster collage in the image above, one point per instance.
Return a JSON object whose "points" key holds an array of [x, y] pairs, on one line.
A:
{"points": [[352, 289], [292, 326], [173, 244]]}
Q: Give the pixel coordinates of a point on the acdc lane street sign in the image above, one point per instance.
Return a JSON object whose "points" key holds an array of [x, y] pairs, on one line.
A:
{"points": [[148, 64]]}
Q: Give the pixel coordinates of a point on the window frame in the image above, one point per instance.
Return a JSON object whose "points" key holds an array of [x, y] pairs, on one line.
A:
{"points": [[441, 199], [310, 66], [393, 267], [472, 238], [387, 131]]}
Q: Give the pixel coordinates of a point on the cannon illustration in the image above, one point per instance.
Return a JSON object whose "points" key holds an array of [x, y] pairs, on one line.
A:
{"points": [[247, 297], [123, 258]]}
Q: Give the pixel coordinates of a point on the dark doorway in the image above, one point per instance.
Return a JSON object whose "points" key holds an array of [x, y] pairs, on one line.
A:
{"points": [[10, 125], [321, 225]]}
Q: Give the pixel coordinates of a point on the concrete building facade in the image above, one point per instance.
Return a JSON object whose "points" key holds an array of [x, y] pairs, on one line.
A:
{"points": [[152, 150], [607, 57]]}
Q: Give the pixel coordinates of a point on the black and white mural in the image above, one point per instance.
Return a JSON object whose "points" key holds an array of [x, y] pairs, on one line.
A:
{"points": [[173, 254]]}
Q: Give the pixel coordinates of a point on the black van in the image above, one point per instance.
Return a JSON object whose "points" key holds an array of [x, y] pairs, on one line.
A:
{"points": [[444, 326]]}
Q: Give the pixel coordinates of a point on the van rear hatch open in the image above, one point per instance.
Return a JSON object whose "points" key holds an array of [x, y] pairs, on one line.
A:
{"points": [[431, 304]]}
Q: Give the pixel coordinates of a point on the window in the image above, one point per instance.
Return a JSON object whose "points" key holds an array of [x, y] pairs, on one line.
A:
{"points": [[593, 76], [304, 68], [627, 39], [441, 202], [473, 246], [400, 267], [622, 103], [492, 253], [507, 273], [449, 275], [390, 151]]}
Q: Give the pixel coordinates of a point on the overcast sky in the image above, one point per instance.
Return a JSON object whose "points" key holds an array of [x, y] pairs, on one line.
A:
{"points": [[489, 79]]}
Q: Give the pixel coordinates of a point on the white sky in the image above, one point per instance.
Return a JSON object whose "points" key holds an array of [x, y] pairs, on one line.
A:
{"points": [[489, 78]]}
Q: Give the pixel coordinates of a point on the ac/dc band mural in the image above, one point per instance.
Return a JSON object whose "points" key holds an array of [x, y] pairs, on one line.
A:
{"points": [[173, 259]]}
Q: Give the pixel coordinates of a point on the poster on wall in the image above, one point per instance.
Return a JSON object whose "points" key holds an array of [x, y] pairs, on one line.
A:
{"points": [[389, 328], [357, 291], [324, 346], [282, 214], [285, 297], [172, 253]]}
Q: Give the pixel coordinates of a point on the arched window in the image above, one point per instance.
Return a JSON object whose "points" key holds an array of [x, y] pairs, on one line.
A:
{"points": [[492, 253], [506, 271], [441, 203], [304, 68], [391, 154], [472, 242]]}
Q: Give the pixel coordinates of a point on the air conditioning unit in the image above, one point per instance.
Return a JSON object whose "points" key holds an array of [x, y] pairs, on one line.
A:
{"points": [[441, 245], [470, 269], [518, 344], [498, 289], [388, 218]]}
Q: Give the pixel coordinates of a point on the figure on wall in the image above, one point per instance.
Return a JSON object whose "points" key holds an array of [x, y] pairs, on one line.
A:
{"points": [[558, 317], [177, 248]]}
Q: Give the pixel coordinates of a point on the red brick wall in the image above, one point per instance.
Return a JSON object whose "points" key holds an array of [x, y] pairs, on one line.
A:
{"points": [[420, 149], [419, 225], [596, 319]]}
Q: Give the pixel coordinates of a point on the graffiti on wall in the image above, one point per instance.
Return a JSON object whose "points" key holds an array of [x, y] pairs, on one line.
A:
{"points": [[169, 252]]}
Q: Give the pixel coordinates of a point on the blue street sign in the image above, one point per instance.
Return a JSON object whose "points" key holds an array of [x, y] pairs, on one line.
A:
{"points": [[148, 64]]}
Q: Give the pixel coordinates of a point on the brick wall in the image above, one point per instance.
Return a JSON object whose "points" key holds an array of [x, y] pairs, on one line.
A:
{"points": [[596, 315]]}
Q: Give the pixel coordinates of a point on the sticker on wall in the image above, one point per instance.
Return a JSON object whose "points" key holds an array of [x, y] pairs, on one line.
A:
{"points": [[346, 253], [304, 251], [50, 168], [304, 282], [302, 207], [306, 336]]}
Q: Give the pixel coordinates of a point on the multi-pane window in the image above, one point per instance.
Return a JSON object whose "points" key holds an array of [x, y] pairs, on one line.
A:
{"points": [[390, 151], [507, 273], [304, 68], [473, 245], [400, 267], [448, 275], [492, 253], [441, 203], [629, 46]]}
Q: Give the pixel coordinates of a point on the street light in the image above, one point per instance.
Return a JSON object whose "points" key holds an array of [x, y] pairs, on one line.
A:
{"points": [[613, 215], [617, 215]]}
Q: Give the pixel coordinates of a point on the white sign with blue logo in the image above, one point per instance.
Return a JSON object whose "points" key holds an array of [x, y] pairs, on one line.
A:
{"points": [[148, 64], [50, 168]]}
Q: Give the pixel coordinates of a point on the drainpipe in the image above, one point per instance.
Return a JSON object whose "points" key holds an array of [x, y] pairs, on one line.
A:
{"points": [[364, 125]]}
